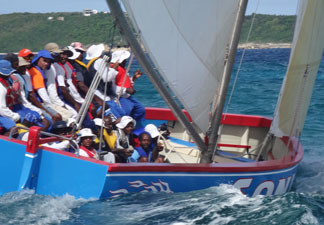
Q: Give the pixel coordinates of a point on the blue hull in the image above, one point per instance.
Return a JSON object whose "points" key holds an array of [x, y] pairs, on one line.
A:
{"points": [[251, 184], [24, 165]]}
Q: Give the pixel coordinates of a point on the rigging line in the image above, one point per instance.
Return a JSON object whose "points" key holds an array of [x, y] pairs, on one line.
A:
{"points": [[238, 70], [112, 39], [103, 110], [127, 70], [241, 60]]}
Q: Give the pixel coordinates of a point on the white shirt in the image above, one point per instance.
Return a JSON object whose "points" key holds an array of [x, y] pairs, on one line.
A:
{"points": [[121, 137], [60, 145], [42, 92], [28, 81], [85, 154], [72, 89], [60, 74], [122, 92], [108, 75], [51, 86]]}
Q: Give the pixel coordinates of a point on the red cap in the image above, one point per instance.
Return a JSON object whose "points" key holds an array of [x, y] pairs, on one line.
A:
{"points": [[25, 52]]}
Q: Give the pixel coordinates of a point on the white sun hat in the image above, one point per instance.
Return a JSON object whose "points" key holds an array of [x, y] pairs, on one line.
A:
{"points": [[120, 56], [70, 121], [99, 122], [22, 62], [87, 132], [124, 121], [95, 51], [74, 52], [152, 130]]}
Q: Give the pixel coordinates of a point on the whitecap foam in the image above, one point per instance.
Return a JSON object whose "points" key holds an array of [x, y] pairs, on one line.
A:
{"points": [[308, 218], [28, 208]]}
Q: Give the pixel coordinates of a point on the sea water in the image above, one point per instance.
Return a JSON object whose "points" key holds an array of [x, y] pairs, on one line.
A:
{"points": [[256, 93]]}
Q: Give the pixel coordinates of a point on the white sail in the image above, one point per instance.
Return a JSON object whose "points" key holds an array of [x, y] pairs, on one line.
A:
{"points": [[187, 40], [305, 58]]}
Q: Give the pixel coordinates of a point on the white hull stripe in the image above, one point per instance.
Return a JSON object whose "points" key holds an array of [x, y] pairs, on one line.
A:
{"points": [[30, 155], [198, 174]]}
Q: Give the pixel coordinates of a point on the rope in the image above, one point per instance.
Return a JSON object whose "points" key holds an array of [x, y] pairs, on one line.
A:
{"points": [[239, 68], [112, 32], [241, 59], [93, 87], [102, 116]]}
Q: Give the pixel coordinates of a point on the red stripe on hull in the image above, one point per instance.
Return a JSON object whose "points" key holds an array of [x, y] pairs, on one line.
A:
{"points": [[294, 156], [228, 119]]}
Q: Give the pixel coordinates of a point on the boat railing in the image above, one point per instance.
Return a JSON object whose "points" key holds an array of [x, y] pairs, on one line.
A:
{"points": [[36, 133]]}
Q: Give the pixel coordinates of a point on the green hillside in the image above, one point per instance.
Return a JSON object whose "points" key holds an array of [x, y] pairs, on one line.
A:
{"points": [[26, 30], [34, 30], [269, 28]]}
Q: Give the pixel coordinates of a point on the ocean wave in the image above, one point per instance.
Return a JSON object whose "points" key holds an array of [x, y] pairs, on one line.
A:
{"points": [[25, 207]]}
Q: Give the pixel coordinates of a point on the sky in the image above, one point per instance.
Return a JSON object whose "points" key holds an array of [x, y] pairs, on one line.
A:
{"points": [[277, 7]]}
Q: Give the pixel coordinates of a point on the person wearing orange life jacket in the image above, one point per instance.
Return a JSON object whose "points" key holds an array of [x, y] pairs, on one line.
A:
{"points": [[20, 65], [28, 56], [10, 100], [20, 72], [41, 99]]}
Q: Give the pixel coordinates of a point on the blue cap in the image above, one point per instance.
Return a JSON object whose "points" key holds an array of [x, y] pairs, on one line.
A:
{"points": [[5, 67], [43, 53]]}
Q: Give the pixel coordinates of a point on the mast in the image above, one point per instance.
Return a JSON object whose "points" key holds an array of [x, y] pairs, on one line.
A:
{"points": [[125, 30], [219, 101]]}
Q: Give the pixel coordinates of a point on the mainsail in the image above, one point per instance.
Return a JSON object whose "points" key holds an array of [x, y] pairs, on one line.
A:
{"points": [[187, 41], [305, 58]]}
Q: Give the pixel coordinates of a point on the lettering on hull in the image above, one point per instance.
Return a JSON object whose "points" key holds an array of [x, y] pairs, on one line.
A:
{"points": [[269, 187], [159, 186]]}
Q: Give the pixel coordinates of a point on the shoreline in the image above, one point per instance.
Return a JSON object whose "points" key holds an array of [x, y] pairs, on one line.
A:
{"points": [[252, 45]]}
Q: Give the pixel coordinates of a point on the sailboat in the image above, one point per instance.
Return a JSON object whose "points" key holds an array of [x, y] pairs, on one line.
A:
{"points": [[192, 45]]}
